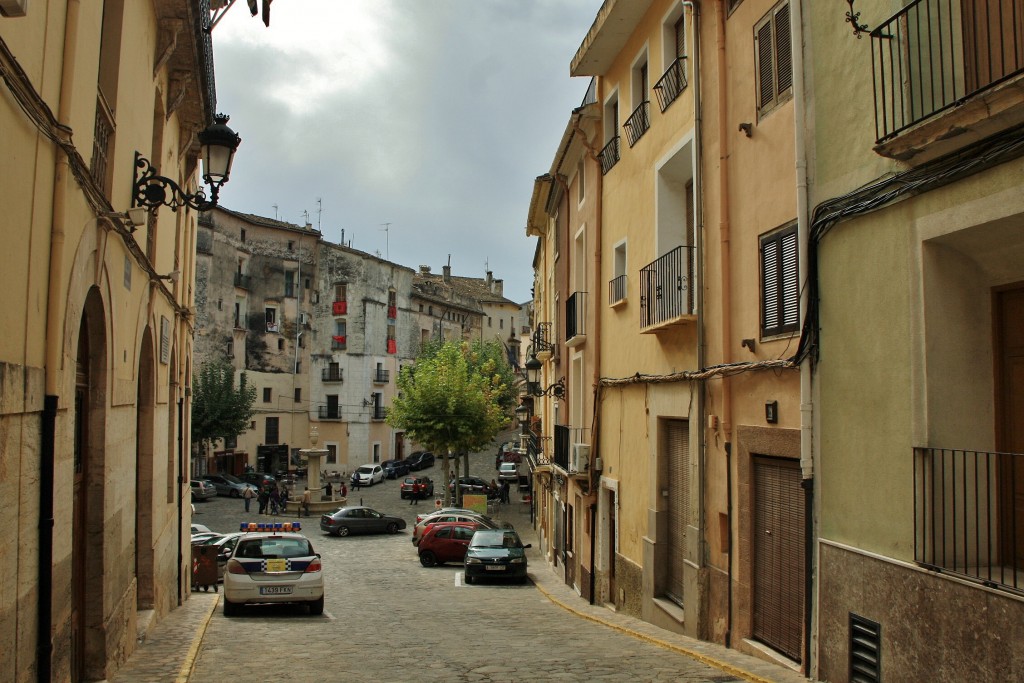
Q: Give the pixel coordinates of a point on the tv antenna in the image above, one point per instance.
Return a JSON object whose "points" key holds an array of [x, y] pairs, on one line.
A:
{"points": [[386, 227], [275, 211], [319, 213]]}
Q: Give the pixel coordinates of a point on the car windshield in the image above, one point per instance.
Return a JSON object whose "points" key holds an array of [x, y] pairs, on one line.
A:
{"points": [[231, 478], [495, 539], [410, 480], [273, 548], [365, 469]]}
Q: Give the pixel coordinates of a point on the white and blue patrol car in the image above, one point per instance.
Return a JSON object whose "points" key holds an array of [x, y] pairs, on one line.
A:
{"points": [[273, 563]]}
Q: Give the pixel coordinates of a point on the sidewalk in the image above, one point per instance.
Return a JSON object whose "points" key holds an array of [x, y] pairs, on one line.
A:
{"points": [[170, 649], [552, 586]]}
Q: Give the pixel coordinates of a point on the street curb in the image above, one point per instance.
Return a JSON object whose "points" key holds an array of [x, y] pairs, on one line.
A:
{"points": [[704, 659], [197, 640]]}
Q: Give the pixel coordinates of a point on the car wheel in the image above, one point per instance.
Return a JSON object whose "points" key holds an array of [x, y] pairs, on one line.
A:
{"points": [[428, 559], [392, 528], [235, 493], [231, 608], [469, 580], [317, 606], [343, 531]]}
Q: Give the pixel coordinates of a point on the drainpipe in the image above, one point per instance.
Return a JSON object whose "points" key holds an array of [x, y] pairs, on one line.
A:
{"points": [[54, 342], [723, 221], [806, 398], [181, 501]]}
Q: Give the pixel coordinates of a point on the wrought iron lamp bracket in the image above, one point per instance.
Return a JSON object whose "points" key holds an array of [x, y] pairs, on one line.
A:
{"points": [[853, 18], [151, 191]]}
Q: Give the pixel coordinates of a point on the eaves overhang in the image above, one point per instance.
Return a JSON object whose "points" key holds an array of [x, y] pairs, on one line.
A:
{"points": [[537, 219], [614, 24]]}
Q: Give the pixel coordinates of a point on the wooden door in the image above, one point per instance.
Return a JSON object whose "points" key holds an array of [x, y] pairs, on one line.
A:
{"points": [[1009, 325], [79, 512]]}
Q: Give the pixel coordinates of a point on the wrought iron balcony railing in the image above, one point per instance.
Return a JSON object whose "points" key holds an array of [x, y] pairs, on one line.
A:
{"points": [[381, 376], [332, 375], [666, 291], [575, 317], [672, 84], [243, 281], [590, 97], [609, 155], [339, 343], [617, 290], [542, 338], [968, 515], [329, 412], [638, 122], [379, 413], [562, 446], [934, 54]]}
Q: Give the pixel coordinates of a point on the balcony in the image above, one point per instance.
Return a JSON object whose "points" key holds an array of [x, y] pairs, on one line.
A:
{"points": [[339, 308], [609, 156], [968, 515], [339, 343], [392, 312], [946, 73], [392, 345], [576, 319], [666, 292], [332, 375], [273, 326], [243, 281], [543, 341], [379, 413], [617, 291], [538, 450], [672, 83], [329, 412], [638, 123], [289, 290], [381, 376], [562, 442]]}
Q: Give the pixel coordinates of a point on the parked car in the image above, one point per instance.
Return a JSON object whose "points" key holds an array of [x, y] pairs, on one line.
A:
{"points": [[482, 520], [229, 485], [393, 469], [445, 542], [202, 490], [471, 485], [417, 487], [200, 529], [495, 553], [420, 460], [259, 479], [509, 471], [359, 520], [225, 545], [273, 566], [430, 513], [368, 475]]}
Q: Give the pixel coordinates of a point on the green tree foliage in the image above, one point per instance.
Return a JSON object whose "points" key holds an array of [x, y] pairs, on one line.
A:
{"points": [[219, 409], [456, 398]]}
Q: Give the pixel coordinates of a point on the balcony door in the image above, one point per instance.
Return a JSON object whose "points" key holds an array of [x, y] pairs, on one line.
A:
{"points": [[1009, 311]]}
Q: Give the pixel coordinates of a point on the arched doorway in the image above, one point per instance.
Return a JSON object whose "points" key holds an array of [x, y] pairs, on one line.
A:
{"points": [[88, 651], [144, 454]]}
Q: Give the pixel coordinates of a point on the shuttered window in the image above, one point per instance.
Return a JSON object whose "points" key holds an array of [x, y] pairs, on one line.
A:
{"points": [[779, 555], [780, 286], [773, 59], [677, 455], [679, 30]]}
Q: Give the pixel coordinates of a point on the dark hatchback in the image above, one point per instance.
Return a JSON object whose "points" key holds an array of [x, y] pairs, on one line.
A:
{"points": [[420, 460], [360, 520], [393, 469], [495, 553]]}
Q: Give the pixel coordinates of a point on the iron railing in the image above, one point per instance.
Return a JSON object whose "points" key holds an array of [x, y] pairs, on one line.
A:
{"points": [[609, 155], [329, 412], [379, 413], [562, 446], [381, 376], [617, 289], [933, 54], [538, 450], [542, 338], [332, 375], [575, 315], [966, 518], [665, 287], [590, 97], [638, 122], [290, 290], [339, 343], [243, 281], [102, 133], [671, 84]]}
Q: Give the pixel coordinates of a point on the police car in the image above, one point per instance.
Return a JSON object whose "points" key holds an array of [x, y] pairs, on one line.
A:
{"points": [[273, 563]]}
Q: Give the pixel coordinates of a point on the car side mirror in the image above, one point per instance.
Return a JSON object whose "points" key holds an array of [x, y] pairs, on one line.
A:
{"points": [[318, 556], [528, 545]]}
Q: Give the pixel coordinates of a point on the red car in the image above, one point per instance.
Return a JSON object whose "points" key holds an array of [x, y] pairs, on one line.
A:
{"points": [[417, 487], [445, 542]]}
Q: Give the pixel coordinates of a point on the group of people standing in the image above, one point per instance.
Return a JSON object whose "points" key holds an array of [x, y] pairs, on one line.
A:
{"points": [[272, 499]]}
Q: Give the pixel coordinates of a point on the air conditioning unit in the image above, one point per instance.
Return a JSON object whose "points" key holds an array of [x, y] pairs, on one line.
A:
{"points": [[303, 319], [13, 8], [580, 462]]}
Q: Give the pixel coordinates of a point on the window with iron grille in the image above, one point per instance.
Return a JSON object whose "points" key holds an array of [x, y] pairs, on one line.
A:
{"points": [[773, 59], [266, 394], [271, 436], [780, 291]]}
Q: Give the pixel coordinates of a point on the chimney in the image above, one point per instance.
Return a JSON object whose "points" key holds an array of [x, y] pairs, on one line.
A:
{"points": [[489, 281], [499, 287], [447, 274]]}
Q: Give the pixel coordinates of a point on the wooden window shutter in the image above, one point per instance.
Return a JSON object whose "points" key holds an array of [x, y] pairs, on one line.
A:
{"points": [[780, 285], [790, 285], [770, 285], [677, 454], [680, 33], [763, 53], [783, 50]]}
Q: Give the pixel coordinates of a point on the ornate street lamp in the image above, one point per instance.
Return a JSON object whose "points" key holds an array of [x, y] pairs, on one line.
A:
{"points": [[151, 191], [532, 370]]}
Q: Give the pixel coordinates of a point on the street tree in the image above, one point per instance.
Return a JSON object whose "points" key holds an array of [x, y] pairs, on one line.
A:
{"points": [[454, 399], [220, 410]]}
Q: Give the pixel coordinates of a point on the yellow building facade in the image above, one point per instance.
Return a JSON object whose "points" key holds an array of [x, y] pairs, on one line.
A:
{"points": [[94, 375]]}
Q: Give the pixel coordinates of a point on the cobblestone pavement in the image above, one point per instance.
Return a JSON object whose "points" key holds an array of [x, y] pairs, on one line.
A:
{"points": [[387, 618]]}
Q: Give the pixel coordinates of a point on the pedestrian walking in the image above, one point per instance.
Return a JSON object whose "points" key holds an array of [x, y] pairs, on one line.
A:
{"points": [[307, 497], [355, 481], [263, 499], [247, 496], [344, 490], [504, 492], [275, 501], [284, 500], [414, 495], [329, 491]]}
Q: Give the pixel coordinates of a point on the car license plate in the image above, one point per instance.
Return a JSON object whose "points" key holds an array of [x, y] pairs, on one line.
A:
{"points": [[277, 565], [495, 568], [275, 590]]}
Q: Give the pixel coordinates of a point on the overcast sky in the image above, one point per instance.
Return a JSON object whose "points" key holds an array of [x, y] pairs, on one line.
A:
{"points": [[432, 115]]}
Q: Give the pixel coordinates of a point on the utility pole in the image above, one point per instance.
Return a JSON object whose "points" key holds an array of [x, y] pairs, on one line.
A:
{"points": [[386, 227]]}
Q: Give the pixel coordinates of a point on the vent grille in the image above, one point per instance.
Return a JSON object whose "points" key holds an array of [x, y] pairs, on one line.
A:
{"points": [[865, 650]]}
